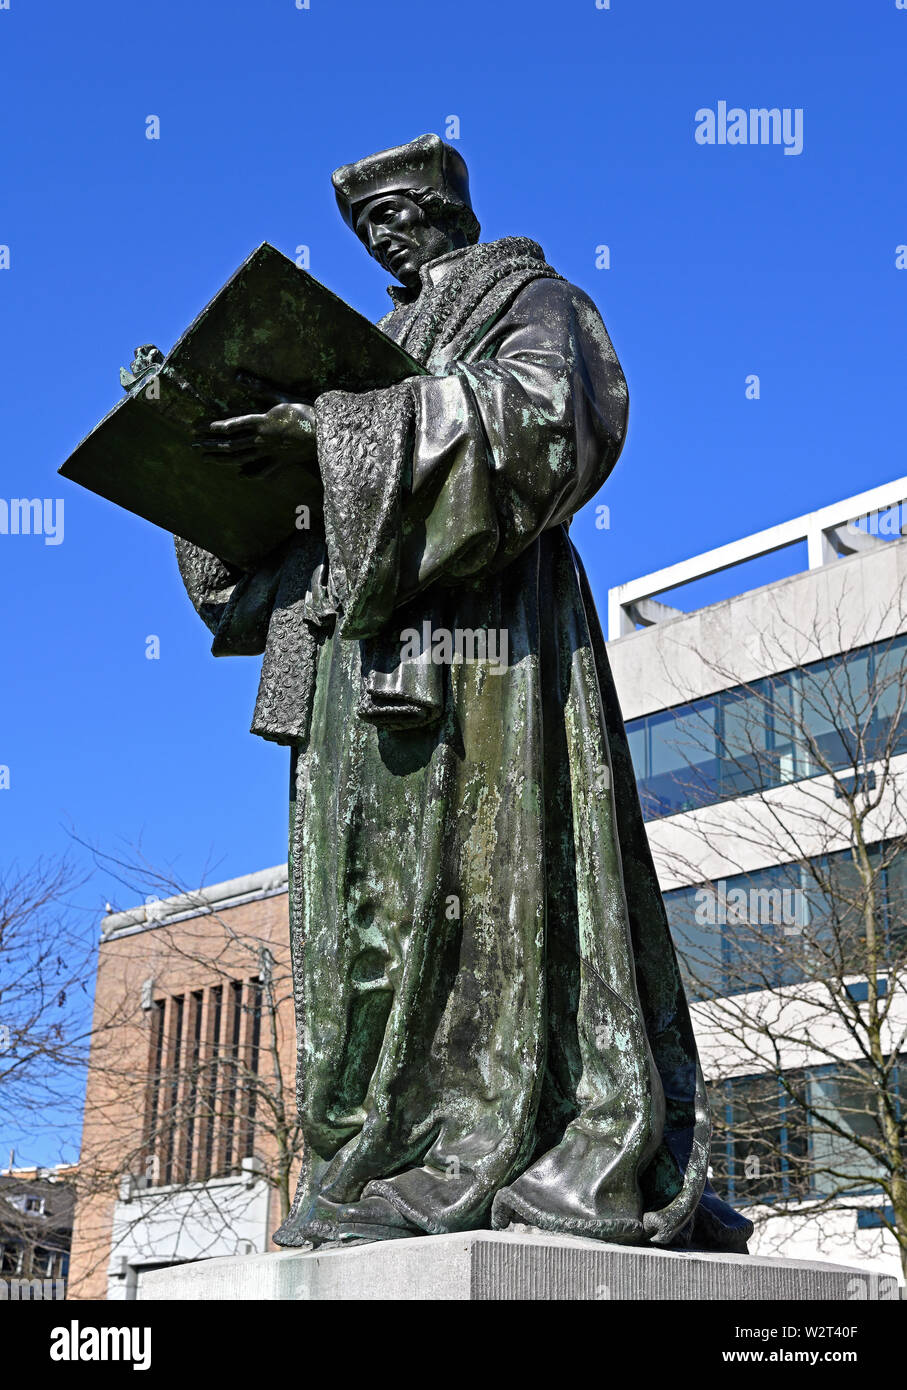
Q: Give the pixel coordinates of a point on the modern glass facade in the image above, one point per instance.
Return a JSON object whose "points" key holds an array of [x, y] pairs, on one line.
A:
{"points": [[838, 713], [797, 1137], [787, 923]]}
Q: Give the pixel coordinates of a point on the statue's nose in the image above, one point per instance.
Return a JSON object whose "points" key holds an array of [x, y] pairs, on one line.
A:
{"points": [[378, 237]]}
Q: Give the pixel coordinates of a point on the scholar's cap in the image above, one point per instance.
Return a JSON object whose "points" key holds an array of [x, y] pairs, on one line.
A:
{"points": [[424, 163]]}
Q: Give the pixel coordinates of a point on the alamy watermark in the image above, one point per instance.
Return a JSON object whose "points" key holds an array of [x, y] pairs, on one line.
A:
{"points": [[876, 1288], [35, 516], [719, 906], [887, 521], [460, 645], [760, 125], [77, 1343], [32, 1290]]}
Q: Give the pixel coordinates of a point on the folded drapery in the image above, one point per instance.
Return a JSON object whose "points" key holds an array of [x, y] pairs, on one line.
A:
{"points": [[491, 1019]]}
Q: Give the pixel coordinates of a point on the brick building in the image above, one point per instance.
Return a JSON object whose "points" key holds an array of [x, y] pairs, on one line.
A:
{"points": [[189, 1133]]}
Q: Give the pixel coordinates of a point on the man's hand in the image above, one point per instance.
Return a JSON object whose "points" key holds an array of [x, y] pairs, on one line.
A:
{"points": [[287, 431]]}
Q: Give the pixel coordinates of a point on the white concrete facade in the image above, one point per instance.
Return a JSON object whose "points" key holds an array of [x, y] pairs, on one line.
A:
{"points": [[854, 593], [829, 533], [154, 1228]]}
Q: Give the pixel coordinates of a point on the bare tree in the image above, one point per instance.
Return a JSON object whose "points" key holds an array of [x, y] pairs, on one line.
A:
{"points": [[791, 917], [47, 954], [47, 964]]}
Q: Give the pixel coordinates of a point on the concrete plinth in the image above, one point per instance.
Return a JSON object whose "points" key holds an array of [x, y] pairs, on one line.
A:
{"points": [[503, 1265]]}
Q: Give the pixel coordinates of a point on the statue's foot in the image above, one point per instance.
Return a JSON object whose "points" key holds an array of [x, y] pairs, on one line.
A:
{"points": [[333, 1225]]}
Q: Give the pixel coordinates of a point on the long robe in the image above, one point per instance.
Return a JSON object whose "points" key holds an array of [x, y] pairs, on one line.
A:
{"points": [[492, 1027]]}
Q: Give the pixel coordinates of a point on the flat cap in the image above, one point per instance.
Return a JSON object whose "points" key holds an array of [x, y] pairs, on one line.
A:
{"points": [[424, 163]]}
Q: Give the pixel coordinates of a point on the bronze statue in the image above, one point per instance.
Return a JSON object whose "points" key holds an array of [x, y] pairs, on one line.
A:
{"points": [[492, 1028]]}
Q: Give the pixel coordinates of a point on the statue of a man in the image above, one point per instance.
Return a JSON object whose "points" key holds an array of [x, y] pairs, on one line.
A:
{"points": [[492, 1028]]}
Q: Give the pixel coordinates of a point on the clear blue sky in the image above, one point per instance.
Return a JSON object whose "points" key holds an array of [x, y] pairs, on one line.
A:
{"points": [[578, 126]]}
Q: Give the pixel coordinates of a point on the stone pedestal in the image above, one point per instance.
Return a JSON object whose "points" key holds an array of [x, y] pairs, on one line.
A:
{"points": [[496, 1265]]}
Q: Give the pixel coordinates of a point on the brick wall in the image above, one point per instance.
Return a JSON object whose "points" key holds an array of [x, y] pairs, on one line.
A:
{"points": [[183, 1026]]}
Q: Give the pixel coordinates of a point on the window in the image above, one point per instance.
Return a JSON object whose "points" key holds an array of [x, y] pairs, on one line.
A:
{"points": [[760, 1142], [882, 1218], [697, 931], [193, 1065], [838, 903], [859, 992], [789, 922], [741, 933], [888, 712], [762, 935], [255, 1002], [212, 1061], [802, 1135], [896, 900], [174, 1068], [846, 1134], [833, 714], [745, 743], [836, 712], [682, 766], [153, 1091], [638, 739], [200, 1104], [231, 1076]]}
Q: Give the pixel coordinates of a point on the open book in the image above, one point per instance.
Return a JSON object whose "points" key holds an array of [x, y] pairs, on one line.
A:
{"points": [[272, 330]]}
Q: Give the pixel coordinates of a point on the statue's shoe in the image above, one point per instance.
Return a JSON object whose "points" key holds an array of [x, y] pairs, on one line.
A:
{"points": [[330, 1225]]}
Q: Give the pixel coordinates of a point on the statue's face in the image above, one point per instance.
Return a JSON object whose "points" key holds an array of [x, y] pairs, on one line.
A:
{"points": [[400, 237]]}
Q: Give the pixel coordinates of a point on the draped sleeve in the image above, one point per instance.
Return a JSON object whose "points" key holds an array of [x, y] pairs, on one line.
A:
{"points": [[445, 476]]}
